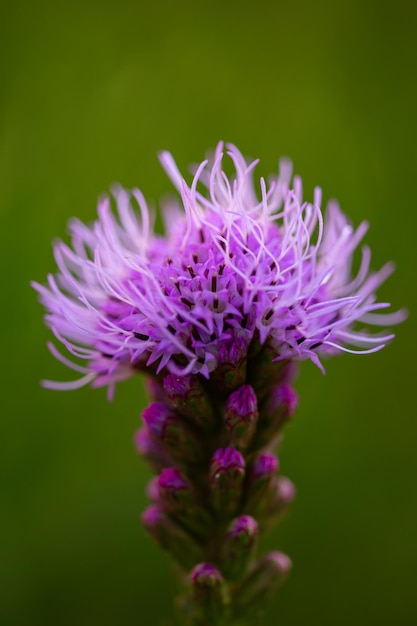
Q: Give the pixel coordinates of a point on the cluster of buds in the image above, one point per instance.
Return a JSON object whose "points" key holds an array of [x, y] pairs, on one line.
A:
{"points": [[218, 485]]}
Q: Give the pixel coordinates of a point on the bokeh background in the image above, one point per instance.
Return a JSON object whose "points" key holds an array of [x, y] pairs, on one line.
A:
{"points": [[90, 91]]}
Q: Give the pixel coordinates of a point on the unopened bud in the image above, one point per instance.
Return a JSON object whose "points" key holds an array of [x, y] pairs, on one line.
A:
{"points": [[178, 497], [188, 396], [208, 595], [232, 360], [261, 474], [275, 411], [285, 493], [283, 402], [171, 536], [268, 574], [227, 471], [276, 501], [171, 432], [238, 351], [239, 546], [151, 450], [174, 490], [241, 415], [152, 489]]}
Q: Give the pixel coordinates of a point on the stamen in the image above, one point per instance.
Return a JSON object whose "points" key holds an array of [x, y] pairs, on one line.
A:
{"points": [[214, 282], [186, 302]]}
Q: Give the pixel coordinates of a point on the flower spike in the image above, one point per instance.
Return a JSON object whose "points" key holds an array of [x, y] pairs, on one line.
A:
{"points": [[247, 282]]}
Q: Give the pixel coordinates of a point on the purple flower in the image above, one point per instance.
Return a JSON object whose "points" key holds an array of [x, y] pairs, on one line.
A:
{"points": [[234, 268], [217, 313]]}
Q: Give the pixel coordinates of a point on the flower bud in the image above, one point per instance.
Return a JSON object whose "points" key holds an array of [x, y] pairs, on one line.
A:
{"points": [[226, 474], [241, 415], [171, 536], [231, 368], [178, 497], [174, 491], [239, 546], [260, 476], [276, 501], [170, 431], [208, 595], [268, 574], [282, 402], [284, 495], [150, 450], [188, 396], [152, 490], [274, 413]]}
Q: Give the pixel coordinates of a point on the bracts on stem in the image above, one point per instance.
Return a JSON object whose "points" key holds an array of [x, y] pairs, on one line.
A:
{"points": [[218, 487]]}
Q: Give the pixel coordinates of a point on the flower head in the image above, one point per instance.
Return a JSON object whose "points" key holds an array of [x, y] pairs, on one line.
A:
{"points": [[235, 268]]}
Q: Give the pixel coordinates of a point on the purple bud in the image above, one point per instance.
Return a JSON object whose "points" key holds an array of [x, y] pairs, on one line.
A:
{"points": [[177, 387], [152, 490], [266, 465], [157, 416], [226, 474], [241, 415], [152, 517], [243, 525], [179, 499], [238, 351], [284, 495], [170, 431], [208, 595], [259, 479], [171, 536], [239, 546], [284, 398], [188, 396], [231, 369], [174, 491], [275, 501], [280, 561], [223, 354], [149, 449], [205, 575], [275, 411], [226, 460], [268, 574], [171, 479]]}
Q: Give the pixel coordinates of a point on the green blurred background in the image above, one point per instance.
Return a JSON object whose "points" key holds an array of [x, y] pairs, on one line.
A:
{"points": [[89, 93]]}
